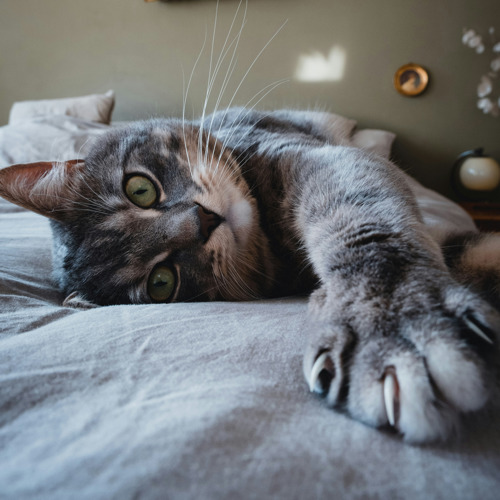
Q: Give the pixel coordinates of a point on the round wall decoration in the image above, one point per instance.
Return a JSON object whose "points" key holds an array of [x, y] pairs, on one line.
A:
{"points": [[411, 80]]}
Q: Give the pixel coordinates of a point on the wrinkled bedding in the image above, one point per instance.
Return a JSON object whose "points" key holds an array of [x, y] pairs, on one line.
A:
{"points": [[181, 401]]}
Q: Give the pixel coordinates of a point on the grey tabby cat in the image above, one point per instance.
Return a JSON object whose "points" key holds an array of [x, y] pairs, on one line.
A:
{"points": [[403, 316]]}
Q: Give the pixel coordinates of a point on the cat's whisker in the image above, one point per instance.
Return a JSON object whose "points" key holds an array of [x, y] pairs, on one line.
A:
{"points": [[231, 65], [82, 146], [216, 281], [237, 159], [249, 69], [210, 81], [214, 167], [88, 205], [223, 285], [248, 264], [212, 76], [100, 197], [200, 128], [230, 291], [185, 100], [184, 97], [102, 207], [224, 176], [240, 283], [254, 62], [224, 85], [90, 210], [247, 110], [201, 294], [229, 282]]}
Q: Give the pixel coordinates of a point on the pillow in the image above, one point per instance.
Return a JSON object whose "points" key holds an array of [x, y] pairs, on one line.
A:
{"points": [[375, 141], [94, 108], [48, 138]]}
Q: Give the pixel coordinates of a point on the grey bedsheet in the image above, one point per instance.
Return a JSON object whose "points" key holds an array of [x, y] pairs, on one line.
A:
{"points": [[201, 401]]}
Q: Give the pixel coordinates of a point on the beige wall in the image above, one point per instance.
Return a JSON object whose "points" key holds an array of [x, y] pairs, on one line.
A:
{"points": [[62, 48]]}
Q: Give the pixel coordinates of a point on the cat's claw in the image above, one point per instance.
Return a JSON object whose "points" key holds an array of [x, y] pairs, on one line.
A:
{"points": [[391, 395], [417, 376], [318, 366], [475, 328]]}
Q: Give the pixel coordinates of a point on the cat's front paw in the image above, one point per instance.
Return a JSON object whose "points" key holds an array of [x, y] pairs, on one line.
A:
{"points": [[414, 371]]}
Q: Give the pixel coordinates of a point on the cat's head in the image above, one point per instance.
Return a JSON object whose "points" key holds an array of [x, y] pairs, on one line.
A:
{"points": [[155, 213]]}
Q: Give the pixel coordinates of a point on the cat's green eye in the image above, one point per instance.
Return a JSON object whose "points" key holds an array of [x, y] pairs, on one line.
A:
{"points": [[140, 191], [161, 283]]}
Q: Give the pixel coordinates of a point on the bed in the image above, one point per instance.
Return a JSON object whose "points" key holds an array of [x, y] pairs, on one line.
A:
{"points": [[202, 400]]}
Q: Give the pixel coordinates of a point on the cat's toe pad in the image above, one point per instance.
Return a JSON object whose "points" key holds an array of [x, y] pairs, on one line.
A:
{"points": [[456, 375], [474, 326], [411, 404]]}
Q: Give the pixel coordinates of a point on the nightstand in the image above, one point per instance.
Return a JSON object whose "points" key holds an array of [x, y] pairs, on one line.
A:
{"points": [[486, 214]]}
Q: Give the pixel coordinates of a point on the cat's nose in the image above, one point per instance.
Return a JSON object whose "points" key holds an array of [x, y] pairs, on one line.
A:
{"points": [[208, 222]]}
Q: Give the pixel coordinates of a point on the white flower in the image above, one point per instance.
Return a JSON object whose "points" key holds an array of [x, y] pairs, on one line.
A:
{"points": [[495, 64], [485, 86], [485, 104], [475, 41], [488, 106], [467, 36], [487, 90]]}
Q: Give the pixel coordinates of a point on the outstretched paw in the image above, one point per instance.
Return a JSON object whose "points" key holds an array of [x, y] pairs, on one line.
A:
{"points": [[416, 375]]}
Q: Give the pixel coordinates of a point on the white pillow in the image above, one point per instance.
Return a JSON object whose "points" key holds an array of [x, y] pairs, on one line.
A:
{"points": [[94, 108], [47, 138], [375, 141]]}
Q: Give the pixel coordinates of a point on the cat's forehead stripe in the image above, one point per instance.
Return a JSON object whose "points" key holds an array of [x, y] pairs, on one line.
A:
{"points": [[154, 148]]}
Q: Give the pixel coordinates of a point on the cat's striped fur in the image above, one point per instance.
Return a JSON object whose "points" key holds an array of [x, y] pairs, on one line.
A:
{"points": [[268, 204]]}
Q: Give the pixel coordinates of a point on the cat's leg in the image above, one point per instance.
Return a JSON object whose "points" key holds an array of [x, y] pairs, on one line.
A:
{"points": [[326, 126], [394, 339], [474, 260]]}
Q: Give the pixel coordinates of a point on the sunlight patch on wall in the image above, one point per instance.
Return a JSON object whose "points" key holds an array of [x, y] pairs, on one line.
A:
{"points": [[316, 67]]}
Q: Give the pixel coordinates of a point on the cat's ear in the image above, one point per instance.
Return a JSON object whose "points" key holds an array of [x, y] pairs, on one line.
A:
{"points": [[45, 187]]}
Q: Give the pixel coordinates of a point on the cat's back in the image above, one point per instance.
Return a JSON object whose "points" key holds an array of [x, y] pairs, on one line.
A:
{"points": [[242, 129]]}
